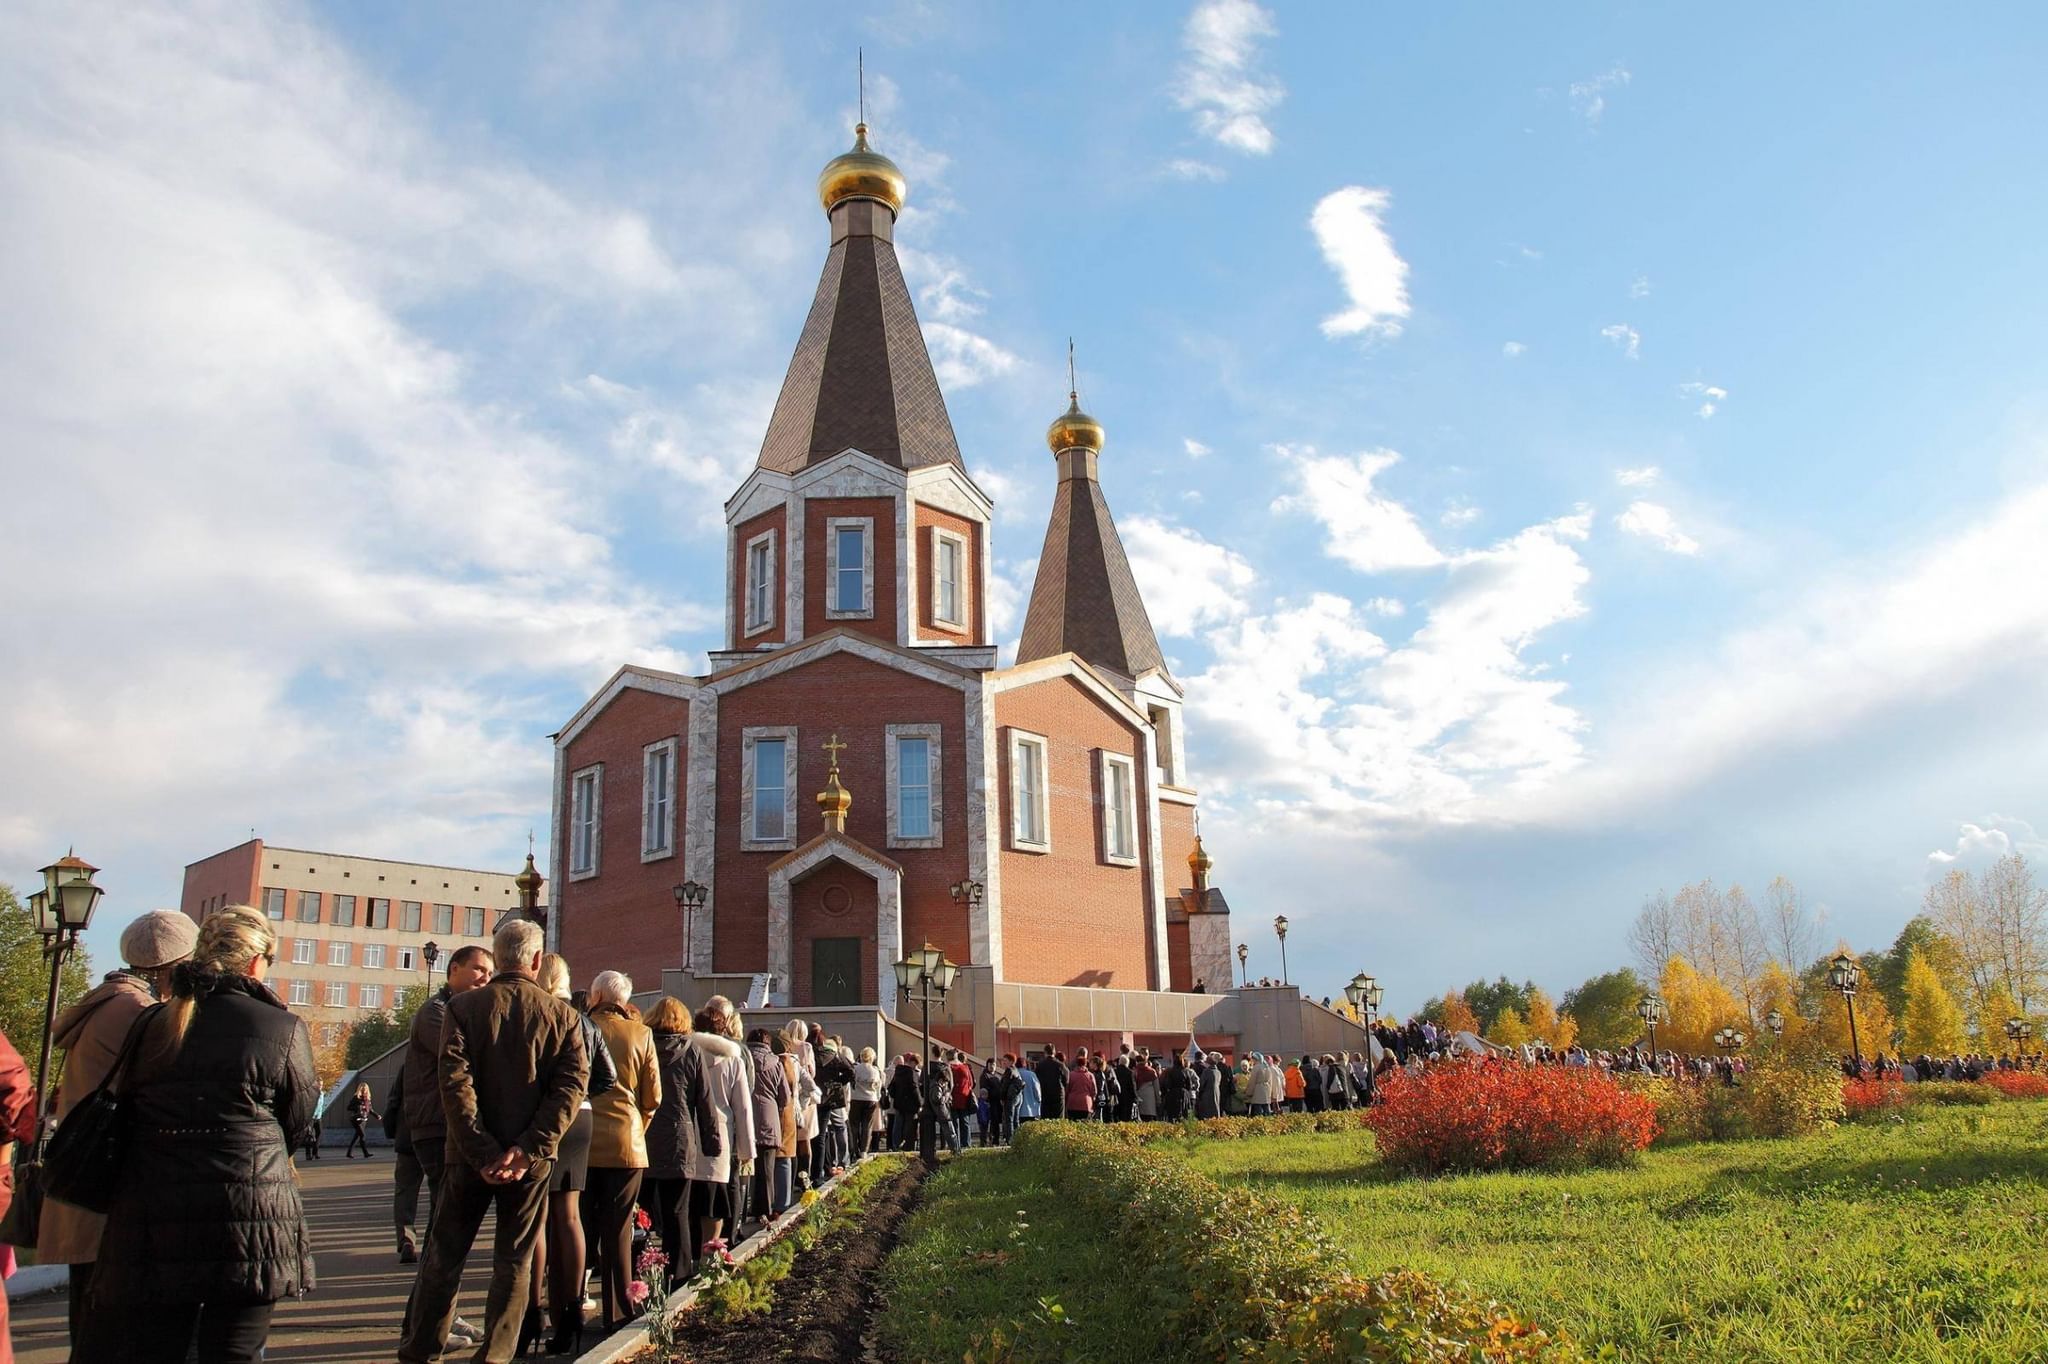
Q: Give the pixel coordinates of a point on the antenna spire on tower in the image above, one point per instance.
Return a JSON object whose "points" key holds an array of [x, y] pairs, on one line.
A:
{"points": [[860, 68], [1073, 388]]}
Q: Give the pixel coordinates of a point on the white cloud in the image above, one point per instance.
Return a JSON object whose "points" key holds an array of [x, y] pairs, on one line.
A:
{"points": [[1709, 396], [1637, 478], [1189, 584], [1639, 287], [1514, 350], [1458, 514], [1589, 97], [1386, 606], [1977, 846], [961, 358], [1354, 241], [1220, 83], [1195, 449], [1626, 337], [1187, 168], [1363, 526], [1653, 521]]}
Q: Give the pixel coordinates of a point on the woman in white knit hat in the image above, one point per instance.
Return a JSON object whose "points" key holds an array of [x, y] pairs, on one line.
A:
{"points": [[90, 1033]]}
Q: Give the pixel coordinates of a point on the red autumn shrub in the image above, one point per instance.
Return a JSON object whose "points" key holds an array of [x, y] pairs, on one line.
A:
{"points": [[2018, 1084], [1862, 1098], [1483, 1115]]}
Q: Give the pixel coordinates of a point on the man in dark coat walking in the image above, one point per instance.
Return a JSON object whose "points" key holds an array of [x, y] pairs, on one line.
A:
{"points": [[1052, 1083], [512, 1075]]}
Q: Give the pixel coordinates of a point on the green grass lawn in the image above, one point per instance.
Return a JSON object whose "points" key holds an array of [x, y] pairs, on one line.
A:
{"points": [[1920, 1240]]}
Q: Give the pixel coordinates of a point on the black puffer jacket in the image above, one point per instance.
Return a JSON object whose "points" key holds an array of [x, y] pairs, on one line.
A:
{"points": [[685, 1123], [208, 1205]]}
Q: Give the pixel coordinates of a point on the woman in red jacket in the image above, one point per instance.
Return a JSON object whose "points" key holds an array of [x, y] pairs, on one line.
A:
{"points": [[1081, 1087]]}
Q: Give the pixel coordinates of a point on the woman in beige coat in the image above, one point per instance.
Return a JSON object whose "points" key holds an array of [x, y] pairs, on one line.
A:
{"points": [[618, 1141], [90, 1034]]}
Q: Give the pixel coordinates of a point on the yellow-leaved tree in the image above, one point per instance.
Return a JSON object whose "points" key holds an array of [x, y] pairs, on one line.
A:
{"points": [[1458, 1015], [1998, 1006], [1545, 1023], [1775, 989], [1934, 1021], [1508, 1029], [1699, 1005], [1874, 1026]]}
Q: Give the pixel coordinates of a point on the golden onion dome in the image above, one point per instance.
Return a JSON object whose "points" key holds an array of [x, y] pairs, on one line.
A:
{"points": [[862, 174], [1074, 429]]}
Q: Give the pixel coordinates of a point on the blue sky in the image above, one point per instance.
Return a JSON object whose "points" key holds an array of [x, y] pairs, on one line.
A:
{"points": [[1569, 452]]}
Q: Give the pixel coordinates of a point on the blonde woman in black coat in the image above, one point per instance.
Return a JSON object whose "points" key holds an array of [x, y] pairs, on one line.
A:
{"points": [[206, 1231]]}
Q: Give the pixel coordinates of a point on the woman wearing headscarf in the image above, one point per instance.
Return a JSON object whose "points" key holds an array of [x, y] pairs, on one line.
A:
{"points": [[206, 1231], [618, 1142]]}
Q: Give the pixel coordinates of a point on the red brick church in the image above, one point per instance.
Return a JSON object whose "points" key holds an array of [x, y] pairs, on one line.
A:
{"points": [[1036, 822]]}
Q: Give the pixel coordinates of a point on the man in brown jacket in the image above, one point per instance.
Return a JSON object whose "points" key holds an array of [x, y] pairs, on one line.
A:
{"points": [[512, 1075]]}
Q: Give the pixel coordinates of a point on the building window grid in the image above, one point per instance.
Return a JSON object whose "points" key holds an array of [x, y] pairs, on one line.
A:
{"points": [[768, 788], [309, 906], [473, 922], [760, 583], [1119, 809], [409, 916], [344, 911], [337, 994], [380, 914], [337, 953], [407, 959], [373, 955], [273, 901], [949, 575], [586, 791], [849, 567], [444, 919], [1030, 814], [658, 800], [302, 992], [372, 997], [916, 805], [303, 950]]}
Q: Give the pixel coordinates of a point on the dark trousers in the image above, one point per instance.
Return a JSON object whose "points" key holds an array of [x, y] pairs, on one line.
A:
{"points": [[664, 1200], [163, 1332], [453, 1218], [406, 1178], [860, 1123], [608, 1201], [360, 1138], [79, 1285]]}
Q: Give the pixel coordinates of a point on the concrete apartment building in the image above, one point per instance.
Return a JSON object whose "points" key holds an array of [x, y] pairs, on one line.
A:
{"points": [[350, 930]]}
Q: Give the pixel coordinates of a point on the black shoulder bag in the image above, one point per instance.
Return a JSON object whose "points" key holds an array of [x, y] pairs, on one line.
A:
{"points": [[82, 1163]]}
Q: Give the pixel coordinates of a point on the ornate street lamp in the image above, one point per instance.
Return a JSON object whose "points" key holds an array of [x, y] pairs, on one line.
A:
{"points": [[966, 894], [1365, 994], [1843, 976], [2019, 1030], [690, 897], [1652, 1011], [1280, 927], [1243, 970], [430, 954], [925, 977], [1775, 1021], [62, 910], [1729, 1040]]}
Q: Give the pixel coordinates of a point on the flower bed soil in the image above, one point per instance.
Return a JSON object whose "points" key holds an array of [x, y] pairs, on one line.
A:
{"points": [[824, 1309]]}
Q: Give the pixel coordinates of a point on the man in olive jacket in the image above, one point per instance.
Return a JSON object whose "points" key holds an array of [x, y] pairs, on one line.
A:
{"points": [[512, 1076]]}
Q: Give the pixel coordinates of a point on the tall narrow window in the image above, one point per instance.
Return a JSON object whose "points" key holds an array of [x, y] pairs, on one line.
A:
{"points": [[949, 578], [473, 921], [444, 919], [309, 906], [345, 911], [583, 796], [380, 914], [914, 788], [273, 901], [760, 582], [409, 916], [1119, 809], [849, 579], [1029, 817], [657, 799], [771, 792]]}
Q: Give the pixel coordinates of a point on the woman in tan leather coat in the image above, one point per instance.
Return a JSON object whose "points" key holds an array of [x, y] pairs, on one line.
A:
{"points": [[618, 1141]]}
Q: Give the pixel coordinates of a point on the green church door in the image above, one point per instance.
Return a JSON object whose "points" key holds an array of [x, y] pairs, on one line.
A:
{"points": [[835, 971]]}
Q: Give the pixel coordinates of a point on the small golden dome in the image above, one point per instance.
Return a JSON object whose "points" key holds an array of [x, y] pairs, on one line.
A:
{"points": [[1074, 430], [862, 174]]}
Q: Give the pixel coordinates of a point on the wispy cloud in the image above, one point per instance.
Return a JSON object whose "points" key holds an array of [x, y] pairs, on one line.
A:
{"points": [[1642, 477], [1589, 97], [1626, 337], [1221, 83], [1194, 448], [1364, 527], [1189, 584], [1639, 287], [1514, 350], [1654, 522], [1708, 396], [1459, 514], [1188, 168], [1349, 228]]}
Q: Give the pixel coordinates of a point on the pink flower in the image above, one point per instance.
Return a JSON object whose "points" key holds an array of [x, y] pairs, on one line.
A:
{"points": [[712, 1246], [636, 1292]]}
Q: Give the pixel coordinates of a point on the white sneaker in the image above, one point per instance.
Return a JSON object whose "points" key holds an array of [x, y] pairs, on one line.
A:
{"points": [[464, 1329]]}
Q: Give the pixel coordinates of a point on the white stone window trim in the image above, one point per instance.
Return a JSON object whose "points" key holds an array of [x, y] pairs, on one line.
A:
{"points": [[929, 733], [749, 736], [752, 624], [1020, 739], [595, 845], [866, 526], [658, 830], [1122, 762], [941, 537]]}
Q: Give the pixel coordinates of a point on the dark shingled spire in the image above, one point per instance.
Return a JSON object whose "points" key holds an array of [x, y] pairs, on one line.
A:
{"points": [[1085, 600], [861, 376]]}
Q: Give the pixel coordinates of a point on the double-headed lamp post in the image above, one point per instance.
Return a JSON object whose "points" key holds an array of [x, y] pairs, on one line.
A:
{"points": [[1843, 976], [1729, 1040], [1280, 929], [1243, 953], [1365, 994], [1650, 1008], [2019, 1030], [1775, 1021], [924, 977], [690, 897], [61, 910]]}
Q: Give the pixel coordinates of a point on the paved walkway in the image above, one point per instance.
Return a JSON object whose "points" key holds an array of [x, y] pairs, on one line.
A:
{"points": [[352, 1317]]}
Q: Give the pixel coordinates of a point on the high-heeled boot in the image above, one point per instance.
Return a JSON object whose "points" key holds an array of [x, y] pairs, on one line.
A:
{"points": [[568, 1336], [529, 1333]]}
